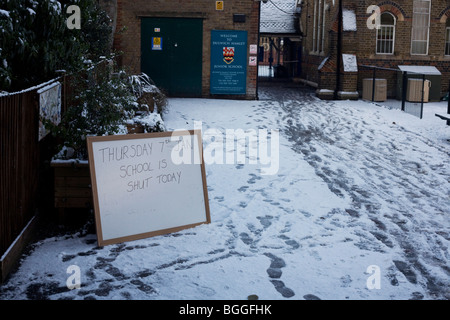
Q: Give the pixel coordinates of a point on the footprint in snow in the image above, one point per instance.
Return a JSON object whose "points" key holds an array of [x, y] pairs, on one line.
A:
{"points": [[274, 272], [311, 297]]}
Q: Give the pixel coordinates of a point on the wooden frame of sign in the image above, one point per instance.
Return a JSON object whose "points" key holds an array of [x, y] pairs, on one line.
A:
{"points": [[147, 184]]}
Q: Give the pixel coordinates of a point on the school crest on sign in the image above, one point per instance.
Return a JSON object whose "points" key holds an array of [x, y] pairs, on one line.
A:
{"points": [[228, 54]]}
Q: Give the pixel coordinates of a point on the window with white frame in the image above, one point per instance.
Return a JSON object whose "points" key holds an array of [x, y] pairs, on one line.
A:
{"points": [[325, 9], [447, 38], [420, 27], [320, 8], [386, 34]]}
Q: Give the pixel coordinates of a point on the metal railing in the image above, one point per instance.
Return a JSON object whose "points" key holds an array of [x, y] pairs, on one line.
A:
{"points": [[285, 70]]}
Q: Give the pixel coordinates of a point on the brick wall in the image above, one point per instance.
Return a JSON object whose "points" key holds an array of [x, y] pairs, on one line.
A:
{"points": [[127, 38], [363, 41]]}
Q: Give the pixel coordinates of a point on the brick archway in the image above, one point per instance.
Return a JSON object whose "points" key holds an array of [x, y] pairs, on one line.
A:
{"points": [[444, 15], [394, 8]]}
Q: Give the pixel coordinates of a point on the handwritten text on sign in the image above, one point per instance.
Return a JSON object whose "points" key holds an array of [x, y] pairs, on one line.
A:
{"points": [[140, 189], [146, 170]]}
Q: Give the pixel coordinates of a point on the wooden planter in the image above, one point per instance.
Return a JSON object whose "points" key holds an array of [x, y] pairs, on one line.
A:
{"points": [[135, 128], [72, 186], [72, 182]]}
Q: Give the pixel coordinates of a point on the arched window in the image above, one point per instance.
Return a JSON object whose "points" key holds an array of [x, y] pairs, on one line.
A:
{"points": [[386, 34], [447, 38]]}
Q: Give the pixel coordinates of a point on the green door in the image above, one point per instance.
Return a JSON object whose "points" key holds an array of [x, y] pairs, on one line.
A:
{"points": [[172, 54]]}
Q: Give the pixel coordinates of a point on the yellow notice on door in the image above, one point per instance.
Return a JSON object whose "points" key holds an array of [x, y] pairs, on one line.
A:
{"points": [[156, 43], [219, 5]]}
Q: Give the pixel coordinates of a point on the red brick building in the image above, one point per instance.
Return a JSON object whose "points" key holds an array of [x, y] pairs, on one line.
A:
{"points": [[379, 33], [179, 44]]}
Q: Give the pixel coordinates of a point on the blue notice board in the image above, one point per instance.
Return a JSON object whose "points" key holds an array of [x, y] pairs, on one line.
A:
{"points": [[228, 62]]}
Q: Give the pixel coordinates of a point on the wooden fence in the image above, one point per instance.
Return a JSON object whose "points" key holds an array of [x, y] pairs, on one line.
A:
{"points": [[20, 163], [24, 166], [26, 177]]}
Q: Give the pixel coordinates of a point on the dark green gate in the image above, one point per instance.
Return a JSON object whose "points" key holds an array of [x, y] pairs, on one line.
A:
{"points": [[171, 54]]}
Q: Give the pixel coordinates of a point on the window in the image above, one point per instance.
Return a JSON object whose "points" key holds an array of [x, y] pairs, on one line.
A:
{"points": [[420, 27], [314, 26], [386, 34], [319, 16], [447, 38], [325, 8]]}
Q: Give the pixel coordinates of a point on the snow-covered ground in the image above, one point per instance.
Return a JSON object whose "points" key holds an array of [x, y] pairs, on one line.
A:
{"points": [[358, 209]]}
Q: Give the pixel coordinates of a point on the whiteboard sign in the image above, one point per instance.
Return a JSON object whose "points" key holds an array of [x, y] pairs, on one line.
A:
{"points": [[147, 184]]}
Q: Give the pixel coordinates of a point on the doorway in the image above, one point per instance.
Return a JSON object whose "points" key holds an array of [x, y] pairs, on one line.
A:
{"points": [[171, 54]]}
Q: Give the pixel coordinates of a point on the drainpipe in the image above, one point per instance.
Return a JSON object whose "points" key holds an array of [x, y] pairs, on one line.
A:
{"points": [[339, 51], [257, 59]]}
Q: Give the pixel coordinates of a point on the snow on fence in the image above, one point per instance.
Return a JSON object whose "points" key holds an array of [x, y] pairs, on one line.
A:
{"points": [[24, 182]]}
